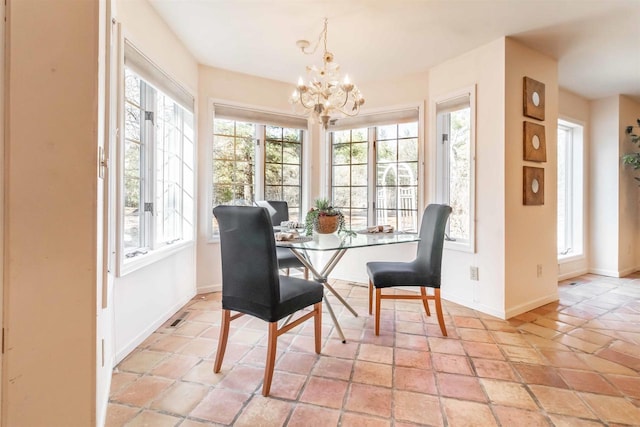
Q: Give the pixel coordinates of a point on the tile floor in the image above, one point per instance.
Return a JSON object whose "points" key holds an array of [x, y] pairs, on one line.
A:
{"points": [[571, 363]]}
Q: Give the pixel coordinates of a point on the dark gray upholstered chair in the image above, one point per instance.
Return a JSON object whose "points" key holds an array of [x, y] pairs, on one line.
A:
{"points": [[279, 211], [251, 283], [424, 271]]}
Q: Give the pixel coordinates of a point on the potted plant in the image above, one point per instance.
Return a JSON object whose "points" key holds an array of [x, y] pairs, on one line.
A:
{"points": [[324, 219], [633, 159]]}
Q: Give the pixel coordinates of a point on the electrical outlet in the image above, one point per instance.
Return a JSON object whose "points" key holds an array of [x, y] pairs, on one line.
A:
{"points": [[473, 273], [539, 270]]}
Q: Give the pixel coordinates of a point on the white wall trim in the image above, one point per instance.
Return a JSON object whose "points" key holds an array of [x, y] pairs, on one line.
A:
{"points": [[468, 303], [574, 273], [610, 273], [205, 289], [530, 305], [143, 335]]}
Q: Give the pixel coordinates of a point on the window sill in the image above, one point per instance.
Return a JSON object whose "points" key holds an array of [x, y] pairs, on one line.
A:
{"points": [[565, 259], [458, 246], [130, 265]]}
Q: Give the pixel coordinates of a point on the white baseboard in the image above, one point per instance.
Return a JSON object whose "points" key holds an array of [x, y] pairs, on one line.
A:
{"points": [[605, 272], [628, 271], [124, 352], [205, 289], [574, 273], [466, 302], [530, 305]]}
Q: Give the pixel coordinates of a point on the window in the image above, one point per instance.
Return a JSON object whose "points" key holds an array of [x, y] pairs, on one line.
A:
{"points": [[374, 170], [256, 156], [455, 166], [158, 164], [570, 189]]}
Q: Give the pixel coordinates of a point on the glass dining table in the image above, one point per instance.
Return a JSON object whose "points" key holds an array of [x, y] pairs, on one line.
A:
{"points": [[302, 247]]}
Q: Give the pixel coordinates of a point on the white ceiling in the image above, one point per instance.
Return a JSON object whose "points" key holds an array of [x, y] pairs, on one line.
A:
{"points": [[596, 42]]}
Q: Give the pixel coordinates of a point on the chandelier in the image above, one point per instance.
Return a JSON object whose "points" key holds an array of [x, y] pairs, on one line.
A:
{"points": [[326, 94]]}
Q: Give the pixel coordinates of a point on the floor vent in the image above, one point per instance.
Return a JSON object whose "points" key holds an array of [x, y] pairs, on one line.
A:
{"points": [[179, 319]]}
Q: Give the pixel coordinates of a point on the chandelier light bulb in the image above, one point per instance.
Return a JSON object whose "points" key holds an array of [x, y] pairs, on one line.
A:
{"points": [[323, 97]]}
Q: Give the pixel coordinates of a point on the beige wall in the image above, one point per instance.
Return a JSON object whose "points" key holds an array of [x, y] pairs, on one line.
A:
{"points": [[147, 297], [484, 67], [49, 375], [575, 108], [629, 232], [530, 231]]}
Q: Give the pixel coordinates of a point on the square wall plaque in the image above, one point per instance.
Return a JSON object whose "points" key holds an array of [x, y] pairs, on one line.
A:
{"points": [[533, 186], [534, 145], [533, 97]]}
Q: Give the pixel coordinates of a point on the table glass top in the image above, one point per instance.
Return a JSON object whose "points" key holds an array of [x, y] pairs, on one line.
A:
{"points": [[329, 242]]}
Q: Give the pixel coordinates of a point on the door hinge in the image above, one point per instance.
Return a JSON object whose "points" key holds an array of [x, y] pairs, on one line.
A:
{"points": [[445, 138], [148, 207], [103, 163], [148, 115]]}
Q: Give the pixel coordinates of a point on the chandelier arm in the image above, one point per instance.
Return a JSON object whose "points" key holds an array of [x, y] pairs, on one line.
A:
{"points": [[302, 102]]}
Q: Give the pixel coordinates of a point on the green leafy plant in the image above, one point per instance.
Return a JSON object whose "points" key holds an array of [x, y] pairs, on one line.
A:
{"points": [[322, 207], [633, 159]]}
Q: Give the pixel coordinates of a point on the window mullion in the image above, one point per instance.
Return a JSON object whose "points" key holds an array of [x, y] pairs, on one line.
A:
{"points": [[150, 161]]}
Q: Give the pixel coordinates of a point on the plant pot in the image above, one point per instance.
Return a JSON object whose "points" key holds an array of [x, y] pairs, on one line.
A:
{"points": [[326, 224]]}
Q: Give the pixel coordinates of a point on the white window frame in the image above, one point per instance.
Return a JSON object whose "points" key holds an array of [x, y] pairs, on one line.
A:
{"points": [[442, 165], [154, 249], [575, 185], [373, 119], [260, 118]]}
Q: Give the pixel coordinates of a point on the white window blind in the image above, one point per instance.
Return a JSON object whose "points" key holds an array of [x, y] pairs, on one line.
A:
{"points": [[151, 73], [378, 119]]}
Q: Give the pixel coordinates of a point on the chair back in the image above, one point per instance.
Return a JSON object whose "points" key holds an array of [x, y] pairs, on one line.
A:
{"points": [[429, 257], [278, 210], [250, 281]]}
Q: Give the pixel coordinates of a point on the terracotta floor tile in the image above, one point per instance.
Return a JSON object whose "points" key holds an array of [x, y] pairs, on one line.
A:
{"points": [[324, 392], [613, 409], [475, 335], [497, 369], [372, 373], [483, 350], [451, 363], [629, 385], [376, 353], [142, 391], [243, 378], [118, 415], [467, 322], [220, 406], [566, 421], [509, 416], [369, 399], [263, 411], [142, 361], [418, 408], [155, 419], [507, 393], [351, 419], [313, 416], [587, 381], [180, 398], [412, 358], [412, 379], [175, 366], [461, 413], [559, 401], [286, 386], [549, 366], [203, 373], [543, 375], [412, 342], [460, 387]]}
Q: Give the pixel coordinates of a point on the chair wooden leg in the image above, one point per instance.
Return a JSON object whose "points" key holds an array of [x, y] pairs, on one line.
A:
{"points": [[306, 273], [425, 300], [378, 295], [287, 271], [439, 312], [370, 295], [271, 357], [222, 341], [317, 323]]}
